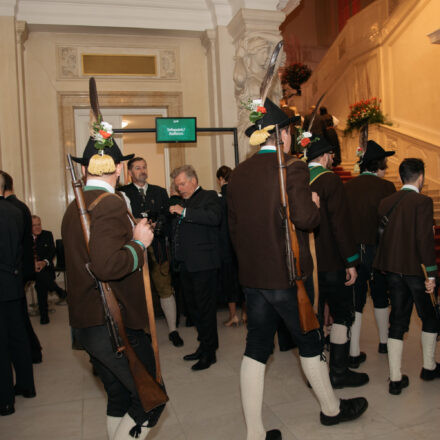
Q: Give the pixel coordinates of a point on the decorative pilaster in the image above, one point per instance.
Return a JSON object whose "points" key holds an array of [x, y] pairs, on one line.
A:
{"points": [[255, 34]]}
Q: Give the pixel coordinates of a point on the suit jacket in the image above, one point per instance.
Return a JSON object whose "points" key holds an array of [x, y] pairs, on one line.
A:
{"points": [[114, 258], [408, 240], [11, 252], [335, 245], [226, 251], [45, 249], [255, 223], [364, 194], [28, 242], [157, 204], [196, 236], [318, 126]]}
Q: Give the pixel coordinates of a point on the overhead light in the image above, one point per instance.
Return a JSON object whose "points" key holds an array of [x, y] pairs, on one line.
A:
{"points": [[124, 124]]}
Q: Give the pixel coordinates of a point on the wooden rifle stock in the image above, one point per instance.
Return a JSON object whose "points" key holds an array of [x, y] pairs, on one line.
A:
{"points": [[151, 393], [307, 317]]}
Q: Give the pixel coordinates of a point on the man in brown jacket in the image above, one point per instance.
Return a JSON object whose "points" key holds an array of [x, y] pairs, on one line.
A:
{"points": [[364, 194], [258, 238], [116, 254], [336, 256], [406, 244]]}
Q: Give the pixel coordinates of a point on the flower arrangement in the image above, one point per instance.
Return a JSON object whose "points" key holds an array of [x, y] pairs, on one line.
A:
{"points": [[256, 108], [303, 140], [295, 75], [364, 112], [102, 134]]}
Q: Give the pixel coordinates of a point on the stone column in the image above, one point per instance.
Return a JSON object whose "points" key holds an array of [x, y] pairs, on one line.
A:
{"points": [[255, 34], [13, 155]]}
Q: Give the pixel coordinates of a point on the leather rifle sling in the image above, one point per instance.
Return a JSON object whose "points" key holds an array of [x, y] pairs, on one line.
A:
{"points": [[148, 294]]}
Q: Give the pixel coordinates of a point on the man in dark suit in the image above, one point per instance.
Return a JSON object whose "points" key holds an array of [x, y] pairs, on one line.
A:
{"points": [[28, 260], [364, 194], [14, 342], [151, 201], [259, 241], [406, 244], [44, 253], [197, 254], [336, 257]]}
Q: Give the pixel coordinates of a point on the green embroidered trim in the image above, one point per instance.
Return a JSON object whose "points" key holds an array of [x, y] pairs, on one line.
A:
{"points": [[317, 171], [408, 189], [353, 258], [92, 188], [431, 268], [135, 257], [368, 173], [265, 151]]}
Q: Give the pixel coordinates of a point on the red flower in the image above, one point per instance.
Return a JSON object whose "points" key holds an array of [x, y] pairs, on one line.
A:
{"points": [[104, 134], [261, 109], [305, 142]]}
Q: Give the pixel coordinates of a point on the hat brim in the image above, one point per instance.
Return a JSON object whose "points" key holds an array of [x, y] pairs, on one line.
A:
{"points": [[389, 153], [85, 162], [248, 132]]}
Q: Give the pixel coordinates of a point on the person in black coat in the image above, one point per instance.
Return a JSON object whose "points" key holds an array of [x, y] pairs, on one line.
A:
{"points": [[28, 260], [197, 253], [44, 253], [151, 201], [14, 342]]}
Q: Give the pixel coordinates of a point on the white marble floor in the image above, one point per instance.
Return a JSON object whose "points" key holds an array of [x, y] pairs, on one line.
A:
{"points": [[205, 405]]}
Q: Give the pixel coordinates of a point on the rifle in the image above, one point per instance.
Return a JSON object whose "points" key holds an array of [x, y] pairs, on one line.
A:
{"points": [[151, 393], [307, 317]]}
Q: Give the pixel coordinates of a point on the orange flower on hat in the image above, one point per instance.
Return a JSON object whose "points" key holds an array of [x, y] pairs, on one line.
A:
{"points": [[304, 142], [104, 134], [261, 109]]}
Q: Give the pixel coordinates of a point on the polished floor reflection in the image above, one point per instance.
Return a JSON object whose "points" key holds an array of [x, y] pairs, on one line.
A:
{"points": [[205, 405]]}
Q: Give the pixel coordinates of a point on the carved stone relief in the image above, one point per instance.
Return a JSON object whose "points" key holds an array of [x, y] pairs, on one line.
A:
{"points": [[168, 64], [67, 62]]}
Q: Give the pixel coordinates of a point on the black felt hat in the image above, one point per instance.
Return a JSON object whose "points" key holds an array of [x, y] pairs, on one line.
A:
{"points": [[375, 152], [317, 146], [114, 152], [274, 115]]}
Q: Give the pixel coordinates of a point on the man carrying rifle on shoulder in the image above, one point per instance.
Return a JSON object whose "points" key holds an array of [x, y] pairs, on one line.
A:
{"points": [[258, 237], [116, 251]]}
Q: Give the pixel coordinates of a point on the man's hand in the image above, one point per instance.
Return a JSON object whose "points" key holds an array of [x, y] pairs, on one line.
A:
{"points": [[430, 285], [176, 209], [351, 275], [40, 265], [143, 232], [315, 199]]}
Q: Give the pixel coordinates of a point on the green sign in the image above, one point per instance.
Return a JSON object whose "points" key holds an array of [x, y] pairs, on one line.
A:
{"points": [[176, 130]]}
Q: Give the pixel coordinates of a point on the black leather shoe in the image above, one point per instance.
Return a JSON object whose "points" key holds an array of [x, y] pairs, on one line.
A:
{"points": [[25, 393], [350, 409], [175, 338], [430, 374], [193, 356], [5, 410], [383, 348], [355, 361], [273, 434], [396, 386], [206, 360]]}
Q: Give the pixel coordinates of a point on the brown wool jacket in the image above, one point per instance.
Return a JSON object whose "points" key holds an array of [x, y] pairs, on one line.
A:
{"points": [[364, 194], [335, 246], [255, 223], [114, 257], [408, 240]]}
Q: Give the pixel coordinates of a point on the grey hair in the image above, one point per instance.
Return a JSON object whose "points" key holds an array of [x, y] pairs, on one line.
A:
{"points": [[187, 169]]}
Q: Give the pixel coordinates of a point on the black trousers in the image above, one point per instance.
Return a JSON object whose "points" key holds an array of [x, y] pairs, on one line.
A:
{"points": [[230, 288], [199, 292], [15, 350], [115, 372], [405, 291], [339, 297], [45, 283], [368, 275], [266, 309]]}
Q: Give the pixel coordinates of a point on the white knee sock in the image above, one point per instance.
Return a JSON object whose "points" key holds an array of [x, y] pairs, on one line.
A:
{"points": [[112, 426], [356, 335], [395, 348], [338, 334], [317, 374], [126, 424], [429, 341], [382, 321], [252, 388], [169, 309]]}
